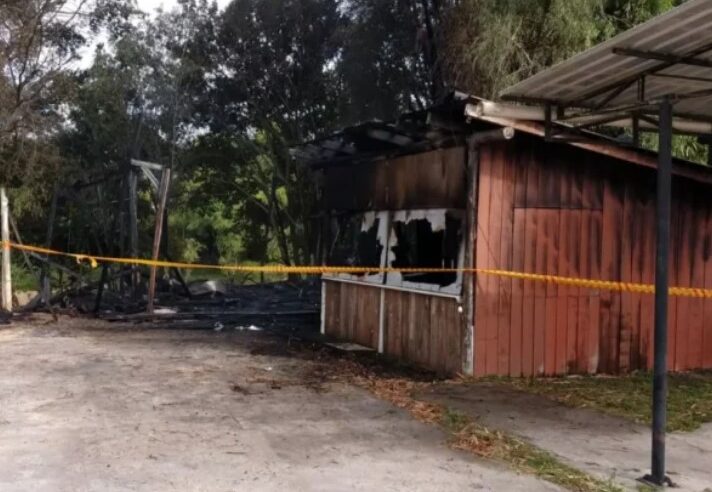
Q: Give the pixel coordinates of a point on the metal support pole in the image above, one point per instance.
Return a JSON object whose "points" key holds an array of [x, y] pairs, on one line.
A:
{"points": [[5, 230], [657, 476]]}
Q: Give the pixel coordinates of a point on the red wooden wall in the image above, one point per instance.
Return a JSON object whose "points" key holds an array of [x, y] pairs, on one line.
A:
{"points": [[555, 209]]}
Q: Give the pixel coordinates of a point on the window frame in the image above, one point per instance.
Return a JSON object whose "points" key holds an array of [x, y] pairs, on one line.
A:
{"points": [[395, 279], [386, 236]]}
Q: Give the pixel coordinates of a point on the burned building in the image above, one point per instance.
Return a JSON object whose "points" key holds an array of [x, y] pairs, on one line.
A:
{"points": [[451, 188]]}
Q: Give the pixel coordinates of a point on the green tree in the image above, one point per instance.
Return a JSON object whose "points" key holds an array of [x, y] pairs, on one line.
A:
{"points": [[272, 82], [388, 63], [491, 44], [39, 41]]}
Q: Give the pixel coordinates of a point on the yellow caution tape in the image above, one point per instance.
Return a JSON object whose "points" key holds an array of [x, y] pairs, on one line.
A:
{"points": [[319, 270]]}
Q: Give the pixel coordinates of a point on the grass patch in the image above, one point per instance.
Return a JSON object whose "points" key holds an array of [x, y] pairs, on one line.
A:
{"points": [[689, 400], [464, 433], [524, 457], [23, 279]]}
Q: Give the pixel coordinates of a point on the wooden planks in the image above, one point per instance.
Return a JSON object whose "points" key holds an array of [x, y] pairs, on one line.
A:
{"points": [[483, 259], [351, 313], [423, 329], [707, 305], [505, 245], [695, 239], [547, 208], [569, 213], [537, 207]]}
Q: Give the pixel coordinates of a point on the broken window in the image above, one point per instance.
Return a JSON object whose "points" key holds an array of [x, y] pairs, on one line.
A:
{"points": [[401, 239], [426, 239], [358, 240]]}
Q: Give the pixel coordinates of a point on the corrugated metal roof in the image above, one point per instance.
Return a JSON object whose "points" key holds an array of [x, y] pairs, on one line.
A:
{"points": [[607, 75]]}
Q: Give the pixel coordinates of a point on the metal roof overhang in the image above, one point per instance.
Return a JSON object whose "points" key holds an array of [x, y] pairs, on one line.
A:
{"points": [[657, 74], [629, 75]]}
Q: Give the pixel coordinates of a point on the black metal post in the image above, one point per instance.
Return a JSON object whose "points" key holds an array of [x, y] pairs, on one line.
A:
{"points": [[661, 294]]}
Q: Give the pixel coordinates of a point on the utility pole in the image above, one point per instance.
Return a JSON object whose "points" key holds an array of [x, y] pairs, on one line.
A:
{"points": [[5, 236]]}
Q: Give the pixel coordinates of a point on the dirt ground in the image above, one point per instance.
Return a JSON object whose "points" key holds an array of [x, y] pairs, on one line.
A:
{"points": [[92, 407], [604, 446]]}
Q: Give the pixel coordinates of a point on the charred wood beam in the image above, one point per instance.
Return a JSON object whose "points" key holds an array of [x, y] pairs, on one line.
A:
{"points": [[100, 289], [402, 127], [49, 263], [16, 232], [339, 146], [93, 181], [147, 165], [148, 174], [133, 227], [162, 199], [390, 137], [442, 143], [222, 315], [180, 279], [45, 288]]}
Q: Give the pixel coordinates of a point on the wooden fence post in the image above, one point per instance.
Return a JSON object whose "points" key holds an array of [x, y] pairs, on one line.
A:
{"points": [[45, 287], [5, 231], [162, 198], [133, 229]]}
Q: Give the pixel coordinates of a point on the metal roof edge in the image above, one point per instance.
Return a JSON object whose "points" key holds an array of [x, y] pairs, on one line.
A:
{"points": [[600, 145]]}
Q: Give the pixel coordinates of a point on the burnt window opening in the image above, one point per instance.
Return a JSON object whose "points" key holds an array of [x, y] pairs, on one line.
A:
{"points": [[356, 242], [417, 245]]}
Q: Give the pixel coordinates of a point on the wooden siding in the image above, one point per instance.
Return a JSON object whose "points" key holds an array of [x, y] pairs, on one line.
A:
{"points": [[434, 179], [351, 313], [551, 208], [418, 328]]}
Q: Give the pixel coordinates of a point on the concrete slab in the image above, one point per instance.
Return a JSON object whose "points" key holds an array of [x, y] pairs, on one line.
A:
{"points": [[605, 446], [86, 409]]}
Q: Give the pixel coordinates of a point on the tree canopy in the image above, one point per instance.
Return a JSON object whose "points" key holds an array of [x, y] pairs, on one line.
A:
{"points": [[221, 95]]}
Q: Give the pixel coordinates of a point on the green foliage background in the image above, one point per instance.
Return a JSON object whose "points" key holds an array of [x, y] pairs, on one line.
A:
{"points": [[221, 95]]}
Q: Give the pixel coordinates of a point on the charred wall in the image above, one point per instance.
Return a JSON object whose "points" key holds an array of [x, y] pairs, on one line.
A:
{"points": [[434, 179], [402, 212]]}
